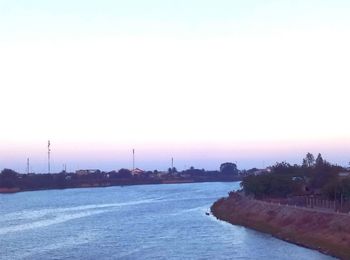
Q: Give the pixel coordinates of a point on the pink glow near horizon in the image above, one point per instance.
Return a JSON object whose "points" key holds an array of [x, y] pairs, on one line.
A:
{"points": [[158, 156]]}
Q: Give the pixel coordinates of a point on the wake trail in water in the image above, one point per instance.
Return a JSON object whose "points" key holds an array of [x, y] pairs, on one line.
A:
{"points": [[51, 216], [48, 222], [35, 214]]}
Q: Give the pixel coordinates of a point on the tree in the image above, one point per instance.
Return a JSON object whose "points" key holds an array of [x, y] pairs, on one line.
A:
{"points": [[269, 185], [319, 161], [8, 178], [228, 168], [8, 173], [124, 173], [337, 188], [172, 170], [309, 160], [284, 168]]}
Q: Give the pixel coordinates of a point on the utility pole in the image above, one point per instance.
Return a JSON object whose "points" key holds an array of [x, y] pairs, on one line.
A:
{"points": [[27, 165], [133, 159], [48, 156]]}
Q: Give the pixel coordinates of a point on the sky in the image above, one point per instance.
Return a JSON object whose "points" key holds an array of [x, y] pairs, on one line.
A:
{"points": [[205, 82]]}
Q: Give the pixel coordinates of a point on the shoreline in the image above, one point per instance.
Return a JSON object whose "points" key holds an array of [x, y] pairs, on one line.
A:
{"points": [[18, 190], [9, 190], [325, 232]]}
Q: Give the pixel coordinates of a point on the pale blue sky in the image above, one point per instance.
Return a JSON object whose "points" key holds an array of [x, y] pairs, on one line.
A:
{"points": [[166, 17], [163, 76]]}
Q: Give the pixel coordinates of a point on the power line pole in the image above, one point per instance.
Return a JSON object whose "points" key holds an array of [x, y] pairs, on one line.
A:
{"points": [[133, 159], [48, 156], [27, 165]]}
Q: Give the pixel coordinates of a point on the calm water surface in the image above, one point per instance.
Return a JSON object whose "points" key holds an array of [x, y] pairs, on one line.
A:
{"points": [[133, 222]]}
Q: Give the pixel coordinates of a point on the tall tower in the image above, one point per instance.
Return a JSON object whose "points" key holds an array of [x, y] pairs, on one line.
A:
{"points": [[48, 156], [172, 163], [27, 165], [133, 159]]}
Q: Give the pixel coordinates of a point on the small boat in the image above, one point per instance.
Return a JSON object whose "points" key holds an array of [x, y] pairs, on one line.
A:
{"points": [[207, 213]]}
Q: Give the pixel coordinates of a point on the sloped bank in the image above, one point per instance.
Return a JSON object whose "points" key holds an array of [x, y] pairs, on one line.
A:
{"points": [[324, 231]]}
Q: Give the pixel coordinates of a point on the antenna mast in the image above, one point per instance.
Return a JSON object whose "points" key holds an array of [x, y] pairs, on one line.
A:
{"points": [[48, 155], [133, 159], [27, 165]]}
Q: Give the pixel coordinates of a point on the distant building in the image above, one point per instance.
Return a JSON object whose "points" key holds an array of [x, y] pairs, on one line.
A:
{"points": [[137, 171], [298, 178], [185, 175], [256, 171], [86, 172]]}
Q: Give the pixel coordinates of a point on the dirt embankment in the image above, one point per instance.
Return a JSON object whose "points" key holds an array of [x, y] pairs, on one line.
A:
{"points": [[325, 231], [9, 190]]}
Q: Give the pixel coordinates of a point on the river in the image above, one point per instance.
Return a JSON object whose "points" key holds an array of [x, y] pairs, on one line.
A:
{"points": [[131, 222]]}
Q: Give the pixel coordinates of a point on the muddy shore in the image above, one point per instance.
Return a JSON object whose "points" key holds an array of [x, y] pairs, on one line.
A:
{"points": [[327, 232]]}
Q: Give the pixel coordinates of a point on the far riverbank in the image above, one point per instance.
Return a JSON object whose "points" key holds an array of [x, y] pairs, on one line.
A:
{"points": [[111, 184], [326, 232], [11, 181]]}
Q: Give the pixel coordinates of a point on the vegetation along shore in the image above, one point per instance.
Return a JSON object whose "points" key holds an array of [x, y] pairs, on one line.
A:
{"points": [[11, 181], [304, 204]]}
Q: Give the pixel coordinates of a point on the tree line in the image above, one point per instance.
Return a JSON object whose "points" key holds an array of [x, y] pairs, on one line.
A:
{"points": [[313, 176], [11, 179]]}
